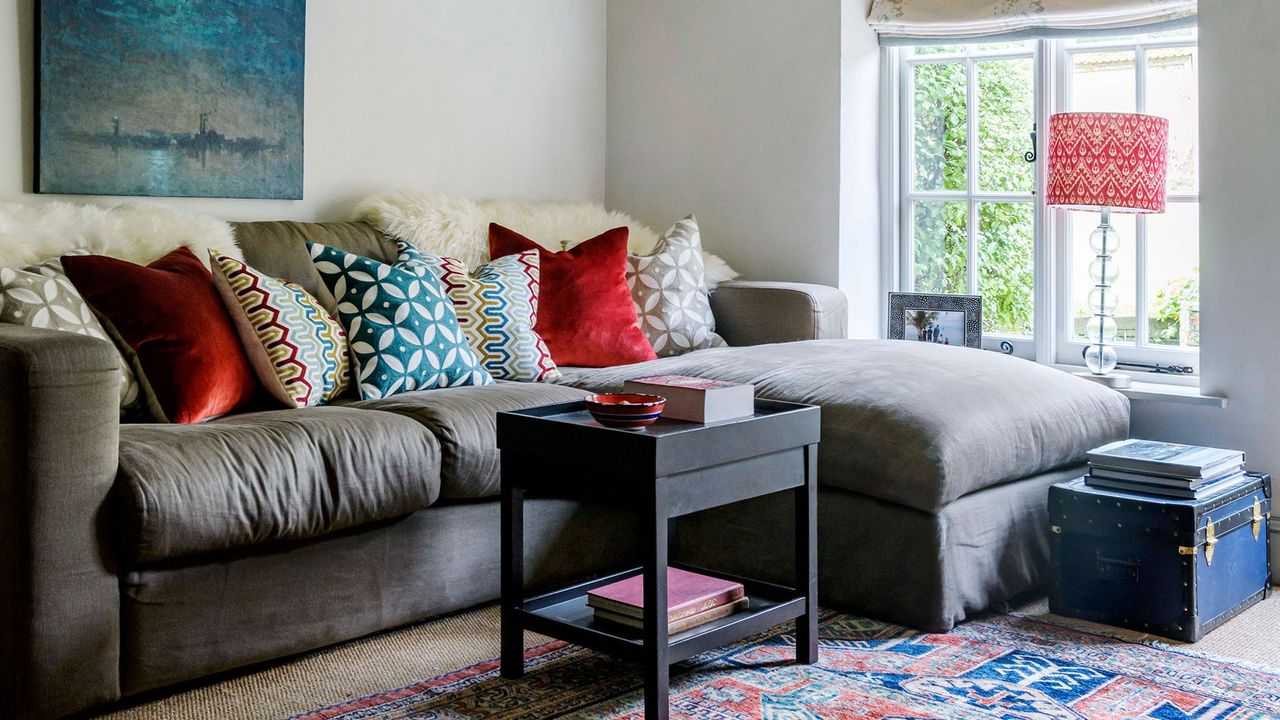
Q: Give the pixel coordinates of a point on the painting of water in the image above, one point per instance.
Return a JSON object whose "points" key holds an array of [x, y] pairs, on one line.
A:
{"points": [[192, 98]]}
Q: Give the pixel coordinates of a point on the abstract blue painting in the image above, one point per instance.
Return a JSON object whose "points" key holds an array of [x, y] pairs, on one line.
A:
{"points": [[194, 98]]}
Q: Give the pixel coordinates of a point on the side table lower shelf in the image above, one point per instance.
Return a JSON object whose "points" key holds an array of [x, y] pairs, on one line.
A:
{"points": [[564, 614]]}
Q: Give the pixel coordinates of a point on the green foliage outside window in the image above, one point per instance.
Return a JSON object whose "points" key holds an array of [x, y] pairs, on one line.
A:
{"points": [[1006, 273]]}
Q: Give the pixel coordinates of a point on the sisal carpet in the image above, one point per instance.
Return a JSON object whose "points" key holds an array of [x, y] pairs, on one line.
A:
{"points": [[403, 657]]}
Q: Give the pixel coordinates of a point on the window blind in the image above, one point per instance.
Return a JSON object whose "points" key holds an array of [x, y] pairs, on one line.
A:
{"points": [[903, 22]]}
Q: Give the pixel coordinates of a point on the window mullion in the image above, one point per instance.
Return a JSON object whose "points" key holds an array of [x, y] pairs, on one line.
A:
{"points": [[971, 170], [1142, 327]]}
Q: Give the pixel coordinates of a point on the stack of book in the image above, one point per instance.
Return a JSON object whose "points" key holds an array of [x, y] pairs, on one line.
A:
{"points": [[1168, 469], [692, 600]]}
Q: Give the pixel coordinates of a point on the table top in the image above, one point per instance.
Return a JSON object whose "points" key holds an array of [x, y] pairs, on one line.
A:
{"points": [[567, 431]]}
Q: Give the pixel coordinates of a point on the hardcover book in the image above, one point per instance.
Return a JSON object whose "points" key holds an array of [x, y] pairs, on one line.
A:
{"points": [[1142, 488], [1165, 480], [697, 399], [1161, 458], [679, 626], [687, 594]]}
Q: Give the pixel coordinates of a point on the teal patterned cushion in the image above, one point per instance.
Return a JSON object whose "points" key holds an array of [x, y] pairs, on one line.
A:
{"points": [[403, 331]]}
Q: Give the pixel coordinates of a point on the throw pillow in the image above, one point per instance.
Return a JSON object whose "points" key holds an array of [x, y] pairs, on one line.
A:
{"points": [[403, 331], [41, 296], [298, 350], [169, 315], [585, 313], [670, 293], [497, 307]]}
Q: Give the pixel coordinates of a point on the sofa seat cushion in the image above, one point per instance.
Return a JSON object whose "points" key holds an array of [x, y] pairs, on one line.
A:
{"points": [[259, 477], [465, 421], [917, 424]]}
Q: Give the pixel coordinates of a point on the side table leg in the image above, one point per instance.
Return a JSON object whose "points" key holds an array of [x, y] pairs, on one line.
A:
{"points": [[657, 666], [806, 501], [512, 576]]}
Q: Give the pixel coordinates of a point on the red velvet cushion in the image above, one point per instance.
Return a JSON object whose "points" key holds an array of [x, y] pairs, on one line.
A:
{"points": [[169, 313], [585, 314]]}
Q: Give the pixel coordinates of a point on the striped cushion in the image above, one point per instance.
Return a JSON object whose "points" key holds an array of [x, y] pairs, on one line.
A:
{"points": [[497, 307], [297, 349]]}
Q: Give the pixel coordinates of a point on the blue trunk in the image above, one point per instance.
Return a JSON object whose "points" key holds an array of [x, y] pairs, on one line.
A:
{"points": [[1177, 568]]}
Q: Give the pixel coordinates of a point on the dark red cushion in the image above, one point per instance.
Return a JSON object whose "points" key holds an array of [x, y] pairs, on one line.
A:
{"points": [[585, 313], [169, 313]]}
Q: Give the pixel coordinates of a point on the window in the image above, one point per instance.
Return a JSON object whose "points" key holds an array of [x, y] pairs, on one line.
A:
{"points": [[971, 221]]}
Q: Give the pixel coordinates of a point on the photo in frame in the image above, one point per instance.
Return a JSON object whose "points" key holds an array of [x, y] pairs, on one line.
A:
{"points": [[940, 319]]}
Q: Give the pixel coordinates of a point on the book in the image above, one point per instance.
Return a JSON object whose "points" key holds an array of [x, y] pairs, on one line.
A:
{"points": [[679, 626], [697, 399], [688, 594], [1141, 488], [1166, 480], [1161, 458]]}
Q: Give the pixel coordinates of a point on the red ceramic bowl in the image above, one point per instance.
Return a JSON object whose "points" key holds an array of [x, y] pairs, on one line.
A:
{"points": [[628, 411]]}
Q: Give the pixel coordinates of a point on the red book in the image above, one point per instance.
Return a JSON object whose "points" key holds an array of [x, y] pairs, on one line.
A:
{"points": [[687, 594]]}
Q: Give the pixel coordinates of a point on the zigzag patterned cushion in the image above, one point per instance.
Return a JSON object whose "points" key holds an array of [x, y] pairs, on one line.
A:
{"points": [[403, 329], [497, 307], [297, 349]]}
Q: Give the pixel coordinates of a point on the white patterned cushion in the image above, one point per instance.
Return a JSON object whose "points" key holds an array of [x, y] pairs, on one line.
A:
{"points": [[670, 293], [297, 349], [497, 307], [41, 296]]}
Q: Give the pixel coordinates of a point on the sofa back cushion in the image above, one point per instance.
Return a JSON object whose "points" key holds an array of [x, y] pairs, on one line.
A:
{"points": [[279, 249]]}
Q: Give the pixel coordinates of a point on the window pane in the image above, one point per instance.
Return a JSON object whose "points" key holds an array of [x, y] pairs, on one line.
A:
{"points": [[939, 49], [1103, 82], [1006, 267], [1173, 276], [1172, 94], [941, 247], [941, 126], [1124, 264], [1006, 109]]}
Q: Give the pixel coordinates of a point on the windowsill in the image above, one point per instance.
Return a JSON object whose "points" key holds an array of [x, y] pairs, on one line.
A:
{"points": [[1148, 387]]}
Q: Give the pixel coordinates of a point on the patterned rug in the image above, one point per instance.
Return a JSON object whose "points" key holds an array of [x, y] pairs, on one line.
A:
{"points": [[999, 667]]}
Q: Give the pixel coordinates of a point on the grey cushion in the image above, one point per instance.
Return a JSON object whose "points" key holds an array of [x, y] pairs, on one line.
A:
{"points": [[914, 423], [465, 421], [258, 477]]}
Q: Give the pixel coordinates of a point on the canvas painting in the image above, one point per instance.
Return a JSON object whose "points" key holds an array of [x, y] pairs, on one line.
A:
{"points": [[200, 98]]}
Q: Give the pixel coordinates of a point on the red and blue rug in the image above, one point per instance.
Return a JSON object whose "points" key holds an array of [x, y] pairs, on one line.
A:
{"points": [[1001, 667]]}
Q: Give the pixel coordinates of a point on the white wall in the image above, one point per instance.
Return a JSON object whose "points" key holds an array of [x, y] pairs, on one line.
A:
{"points": [[487, 98], [733, 110], [1240, 238]]}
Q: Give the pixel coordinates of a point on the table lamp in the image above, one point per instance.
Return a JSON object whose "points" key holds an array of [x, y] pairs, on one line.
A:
{"points": [[1107, 162]]}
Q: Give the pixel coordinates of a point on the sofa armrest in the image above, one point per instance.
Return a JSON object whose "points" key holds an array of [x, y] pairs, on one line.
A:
{"points": [[59, 596], [752, 312]]}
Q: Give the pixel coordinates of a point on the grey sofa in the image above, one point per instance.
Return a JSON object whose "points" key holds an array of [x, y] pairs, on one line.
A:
{"points": [[133, 556]]}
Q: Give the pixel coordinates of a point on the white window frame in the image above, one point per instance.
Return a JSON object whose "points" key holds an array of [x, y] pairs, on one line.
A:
{"points": [[1051, 342]]}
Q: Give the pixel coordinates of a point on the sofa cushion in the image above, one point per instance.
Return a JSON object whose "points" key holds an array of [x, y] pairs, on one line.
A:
{"points": [[914, 423], [465, 421], [278, 475]]}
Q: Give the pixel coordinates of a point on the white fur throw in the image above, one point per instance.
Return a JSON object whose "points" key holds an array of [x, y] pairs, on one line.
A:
{"points": [[31, 233], [458, 227]]}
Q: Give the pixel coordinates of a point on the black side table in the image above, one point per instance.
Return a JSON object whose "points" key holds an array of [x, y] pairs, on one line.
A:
{"points": [[669, 469]]}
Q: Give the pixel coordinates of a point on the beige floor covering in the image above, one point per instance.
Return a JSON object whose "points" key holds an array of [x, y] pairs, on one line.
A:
{"points": [[401, 657]]}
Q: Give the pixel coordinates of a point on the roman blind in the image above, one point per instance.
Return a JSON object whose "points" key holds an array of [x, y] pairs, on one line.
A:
{"points": [[901, 22]]}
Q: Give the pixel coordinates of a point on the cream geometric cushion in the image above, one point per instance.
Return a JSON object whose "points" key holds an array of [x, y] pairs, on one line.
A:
{"points": [[669, 290], [297, 349], [41, 296]]}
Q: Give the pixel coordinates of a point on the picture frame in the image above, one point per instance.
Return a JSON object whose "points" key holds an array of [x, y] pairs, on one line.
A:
{"points": [[941, 319]]}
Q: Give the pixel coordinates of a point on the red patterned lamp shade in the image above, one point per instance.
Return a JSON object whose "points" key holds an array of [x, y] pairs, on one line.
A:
{"points": [[1114, 160]]}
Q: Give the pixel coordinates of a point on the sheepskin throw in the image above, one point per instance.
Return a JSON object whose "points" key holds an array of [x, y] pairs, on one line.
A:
{"points": [[31, 233], [459, 228]]}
